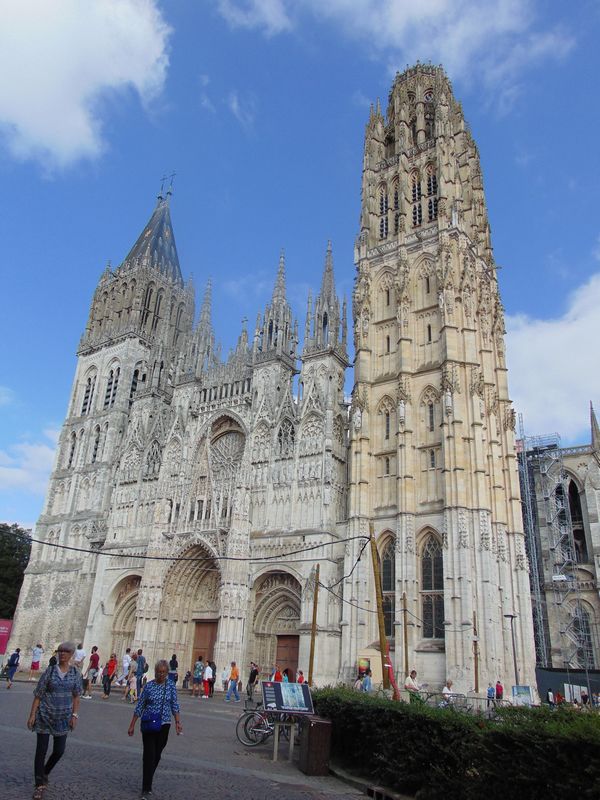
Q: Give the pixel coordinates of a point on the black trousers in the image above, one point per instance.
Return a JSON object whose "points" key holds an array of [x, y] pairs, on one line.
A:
{"points": [[106, 684], [40, 769], [154, 743]]}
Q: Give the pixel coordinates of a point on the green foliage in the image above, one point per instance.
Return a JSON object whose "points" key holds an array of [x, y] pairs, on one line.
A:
{"points": [[15, 547], [439, 753]]}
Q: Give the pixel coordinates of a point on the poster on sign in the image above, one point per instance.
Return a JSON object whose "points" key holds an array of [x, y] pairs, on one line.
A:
{"points": [[292, 698], [5, 629]]}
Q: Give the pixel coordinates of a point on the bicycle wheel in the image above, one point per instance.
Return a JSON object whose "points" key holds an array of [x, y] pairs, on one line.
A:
{"points": [[252, 729]]}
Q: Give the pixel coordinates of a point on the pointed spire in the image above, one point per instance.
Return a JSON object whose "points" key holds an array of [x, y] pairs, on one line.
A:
{"points": [[155, 246], [327, 284], [279, 288], [205, 311], [595, 430]]}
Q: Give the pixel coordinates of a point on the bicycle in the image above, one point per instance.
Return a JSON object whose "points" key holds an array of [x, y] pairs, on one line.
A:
{"points": [[255, 727]]}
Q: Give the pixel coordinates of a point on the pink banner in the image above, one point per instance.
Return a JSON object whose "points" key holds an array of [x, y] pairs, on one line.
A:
{"points": [[5, 629]]}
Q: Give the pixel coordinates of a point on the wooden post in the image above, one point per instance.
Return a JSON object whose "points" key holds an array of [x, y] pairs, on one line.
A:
{"points": [[405, 632], [380, 618], [313, 632], [476, 652]]}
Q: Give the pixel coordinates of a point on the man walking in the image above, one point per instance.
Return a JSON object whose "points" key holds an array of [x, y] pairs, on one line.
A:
{"points": [[125, 667], [92, 671], [139, 672], [234, 676], [79, 657], [252, 680]]}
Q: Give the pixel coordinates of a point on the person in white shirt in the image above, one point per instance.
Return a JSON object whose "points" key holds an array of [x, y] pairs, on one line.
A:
{"points": [[412, 687], [225, 678], [206, 679], [447, 692], [79, 657], [122, 679]]}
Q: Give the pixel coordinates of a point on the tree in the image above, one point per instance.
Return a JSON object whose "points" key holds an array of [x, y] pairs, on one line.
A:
{"points": [[15, 548]]}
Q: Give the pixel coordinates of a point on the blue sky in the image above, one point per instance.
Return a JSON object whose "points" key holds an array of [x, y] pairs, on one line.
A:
{"points": [[260, 107]]}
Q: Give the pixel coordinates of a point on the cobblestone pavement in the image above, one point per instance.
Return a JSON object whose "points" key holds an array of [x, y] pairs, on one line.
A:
{"points": [[101, 762]]}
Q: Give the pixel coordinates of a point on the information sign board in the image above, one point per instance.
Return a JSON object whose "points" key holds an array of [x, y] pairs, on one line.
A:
{"points": [[291, 698]]}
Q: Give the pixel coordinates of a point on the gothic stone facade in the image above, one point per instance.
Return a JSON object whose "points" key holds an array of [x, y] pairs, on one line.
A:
{"points": [[237, 484]]}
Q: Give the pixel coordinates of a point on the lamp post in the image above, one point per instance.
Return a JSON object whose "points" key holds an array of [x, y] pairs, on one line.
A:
{"points": [[512, 618]]}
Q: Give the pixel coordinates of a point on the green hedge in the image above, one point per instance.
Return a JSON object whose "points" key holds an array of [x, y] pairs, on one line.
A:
{"points": [[439, 753]]}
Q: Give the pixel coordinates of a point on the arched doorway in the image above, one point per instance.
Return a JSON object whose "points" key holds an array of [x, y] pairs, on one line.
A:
{"points": [[124, 619], [276, 635], [189, 608]]}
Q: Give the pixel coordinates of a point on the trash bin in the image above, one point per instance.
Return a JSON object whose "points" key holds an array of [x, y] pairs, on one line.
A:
{"points": [[315, 746]]}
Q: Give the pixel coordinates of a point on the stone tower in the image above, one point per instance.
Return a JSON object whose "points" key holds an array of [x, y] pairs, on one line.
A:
{"points": [[432, 437], [139, 315]]}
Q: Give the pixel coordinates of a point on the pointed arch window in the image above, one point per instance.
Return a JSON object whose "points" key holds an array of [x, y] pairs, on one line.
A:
{"points": [[581, 551], [582, 634], [96, 445], [388, 585], [429, 339], [387, 424], [72, 448], [417, 211], [431, 416], [146, 306], [325, 329], [286, 437], [396, 197], [157, 309], [383, 212], [386, 466], [432, 589], [88, 394], [112, 384]]}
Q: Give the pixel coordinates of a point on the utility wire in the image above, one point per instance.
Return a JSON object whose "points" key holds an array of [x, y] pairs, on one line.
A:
{"points": [[277, 557]]}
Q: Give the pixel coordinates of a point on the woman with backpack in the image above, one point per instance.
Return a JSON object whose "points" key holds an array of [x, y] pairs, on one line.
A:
{"points": [[54, 712]]}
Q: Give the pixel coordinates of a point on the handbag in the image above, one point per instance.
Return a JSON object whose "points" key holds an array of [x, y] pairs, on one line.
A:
{"points": [[151, 721]]}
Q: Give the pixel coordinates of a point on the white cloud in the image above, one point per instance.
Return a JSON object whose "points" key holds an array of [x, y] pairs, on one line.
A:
{"points": [[26, 466], [205, 100], [7, 396], [554, 368], [495, 39], [60, 60], [243, 110]]}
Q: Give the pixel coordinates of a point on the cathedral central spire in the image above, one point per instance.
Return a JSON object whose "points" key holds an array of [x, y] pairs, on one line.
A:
{"points": [[155, 247]]}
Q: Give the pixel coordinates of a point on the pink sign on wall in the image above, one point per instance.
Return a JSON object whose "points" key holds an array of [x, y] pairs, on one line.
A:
{"points": [[5, 629]]}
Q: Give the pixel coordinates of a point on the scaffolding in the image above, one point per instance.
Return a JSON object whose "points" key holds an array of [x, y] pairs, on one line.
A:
{"points": [[542, 456]]}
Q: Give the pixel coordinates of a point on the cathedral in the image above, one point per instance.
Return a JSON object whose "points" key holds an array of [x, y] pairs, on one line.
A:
{"points": [[199, 493]]}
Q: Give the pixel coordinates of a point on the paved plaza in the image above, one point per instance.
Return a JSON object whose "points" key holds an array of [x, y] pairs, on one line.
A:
{"points": [[102, 762]]}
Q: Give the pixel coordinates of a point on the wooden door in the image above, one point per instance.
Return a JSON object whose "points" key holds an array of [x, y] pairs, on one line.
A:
{"points": [[287, 654], [205, 636]]}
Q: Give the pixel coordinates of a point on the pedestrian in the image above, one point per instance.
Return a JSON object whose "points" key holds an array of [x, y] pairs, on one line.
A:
{"points": [[79, 657], [584, 697], [198, 676], [286, 675], [300, 678], [186, 680], [252, 680], [447, 692], [13, 666], [108, 674], [173, 667], [36, 656], [142, 668], [225, 678], [213, 666], [157, 703], [206, 678], [499, 690], [131, 683], [412, 687], [491, 694], [234, 676], [358, 683], [54, 712], [367, 683], [92, 671], [126, 661], [277, 676], [550, 698]]}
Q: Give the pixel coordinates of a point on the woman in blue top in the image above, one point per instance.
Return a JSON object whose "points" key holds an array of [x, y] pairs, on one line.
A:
{"points": [[54, 713], [158, 699]]}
